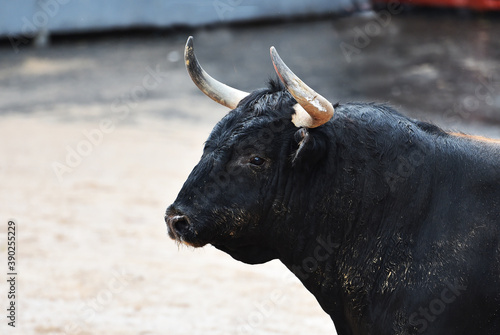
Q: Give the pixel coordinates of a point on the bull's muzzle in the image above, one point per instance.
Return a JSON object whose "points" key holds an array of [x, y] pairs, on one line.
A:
{"points": [[177, 224]]}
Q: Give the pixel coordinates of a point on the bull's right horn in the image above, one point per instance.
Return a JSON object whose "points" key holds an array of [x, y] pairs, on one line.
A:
{"points": [[215, 90], [313, 109]]}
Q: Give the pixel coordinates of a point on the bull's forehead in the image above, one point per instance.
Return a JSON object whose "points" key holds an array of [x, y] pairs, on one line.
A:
{"points": [[233, 129], [261, 110]]}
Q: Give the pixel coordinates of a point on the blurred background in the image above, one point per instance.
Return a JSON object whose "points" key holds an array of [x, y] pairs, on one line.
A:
{"points": [[101, 125]]}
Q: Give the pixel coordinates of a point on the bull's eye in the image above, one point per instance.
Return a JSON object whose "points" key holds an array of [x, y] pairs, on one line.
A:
{"points": [[256, 160]]}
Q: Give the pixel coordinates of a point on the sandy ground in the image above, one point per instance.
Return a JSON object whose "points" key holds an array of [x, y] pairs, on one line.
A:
{"points": [[97, 138]]}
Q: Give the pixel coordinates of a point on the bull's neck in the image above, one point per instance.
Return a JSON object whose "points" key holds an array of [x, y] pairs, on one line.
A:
{"points": [[337, 250]]}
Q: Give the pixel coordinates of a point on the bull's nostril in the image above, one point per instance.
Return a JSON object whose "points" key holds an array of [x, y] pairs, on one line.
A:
{"points": [[180, 224]]}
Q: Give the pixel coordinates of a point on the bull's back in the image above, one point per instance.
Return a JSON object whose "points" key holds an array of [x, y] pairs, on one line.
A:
{"points": [[457, 245]]}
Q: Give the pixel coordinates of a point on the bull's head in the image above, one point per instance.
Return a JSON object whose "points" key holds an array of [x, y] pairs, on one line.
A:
{"points": [[238, 196]]}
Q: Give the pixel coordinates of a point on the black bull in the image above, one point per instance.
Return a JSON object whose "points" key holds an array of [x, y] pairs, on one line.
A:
{"points": [[393, 224]]}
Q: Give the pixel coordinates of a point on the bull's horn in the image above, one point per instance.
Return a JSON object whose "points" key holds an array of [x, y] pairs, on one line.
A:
{"points": [[217, 91], [314, 110]]}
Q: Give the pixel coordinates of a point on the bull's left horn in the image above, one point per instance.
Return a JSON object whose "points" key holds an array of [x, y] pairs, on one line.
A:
{"points": [[313, 110], [217, 91]]}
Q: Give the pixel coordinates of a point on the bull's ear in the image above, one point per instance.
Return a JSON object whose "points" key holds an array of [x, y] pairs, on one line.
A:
{"points": [[309, 148]]}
